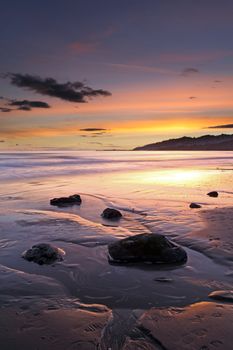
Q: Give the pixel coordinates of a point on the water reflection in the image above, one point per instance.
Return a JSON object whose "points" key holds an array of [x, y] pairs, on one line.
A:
{"points": [[172, 176]]}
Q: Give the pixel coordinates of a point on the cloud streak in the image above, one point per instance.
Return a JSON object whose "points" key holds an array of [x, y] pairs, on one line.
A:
{"points": [[76, 91], [94, 132], [94, 42], [225, 126], [189, 72], [28, 104], [93, 129], [23, 105]]}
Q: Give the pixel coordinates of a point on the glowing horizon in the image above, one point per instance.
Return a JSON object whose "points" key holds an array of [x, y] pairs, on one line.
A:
{"points": [[163, 86]]}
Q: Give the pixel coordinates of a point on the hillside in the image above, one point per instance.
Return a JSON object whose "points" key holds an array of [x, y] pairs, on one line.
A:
{"points": [[203, 143]]}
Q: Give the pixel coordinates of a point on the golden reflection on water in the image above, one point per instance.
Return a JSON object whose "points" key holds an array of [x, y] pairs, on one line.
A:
{"points": [[172, 177]]}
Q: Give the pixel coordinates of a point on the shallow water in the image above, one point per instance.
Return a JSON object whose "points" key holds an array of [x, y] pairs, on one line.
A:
{"points": [[152, 189]]}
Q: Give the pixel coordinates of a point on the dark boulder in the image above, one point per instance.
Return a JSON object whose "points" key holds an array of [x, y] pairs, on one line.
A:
{"points": [[43, 253], [66, 201], [110, 213], [212, 194], [148, 247], [194, 206]]}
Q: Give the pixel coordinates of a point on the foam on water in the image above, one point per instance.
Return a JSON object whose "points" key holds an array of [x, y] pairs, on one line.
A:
{"points": [[37, 164]]}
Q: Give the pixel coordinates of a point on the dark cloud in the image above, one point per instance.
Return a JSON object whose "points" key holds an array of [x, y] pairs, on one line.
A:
{"points": [[1, 141], [93, 129], [94, 132], [189, 71], [24, 108], [23, 105], [5, 110], [29, 104], [70, 91], [192, 97], [217, 81], [225, 126]]}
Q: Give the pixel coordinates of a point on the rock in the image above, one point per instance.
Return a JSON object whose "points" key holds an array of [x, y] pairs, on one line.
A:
{"points": [[212, 194], [66, 201], [43, 253], [223, 295], [149, 248], [110, 213], [194, 206]]}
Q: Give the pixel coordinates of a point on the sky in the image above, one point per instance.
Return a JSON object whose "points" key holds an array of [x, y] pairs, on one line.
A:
{"points": [[107, 74]]}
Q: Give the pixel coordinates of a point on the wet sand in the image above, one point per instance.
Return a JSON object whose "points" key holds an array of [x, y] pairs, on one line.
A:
{"points": [[86, 303], [200, 326], [216, 239], [63, 328], [42, 309]]}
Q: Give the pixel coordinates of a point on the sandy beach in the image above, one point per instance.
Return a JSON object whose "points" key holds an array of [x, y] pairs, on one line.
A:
{"points": [[37, 313], [84, 302], [215, 240]]}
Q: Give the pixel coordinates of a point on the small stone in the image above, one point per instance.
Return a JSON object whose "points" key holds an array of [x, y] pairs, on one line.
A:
{"points": [[43, 253], [223, 295], [212, 194], [146, 248], [194, 206], [110, 213], [66, 201]]}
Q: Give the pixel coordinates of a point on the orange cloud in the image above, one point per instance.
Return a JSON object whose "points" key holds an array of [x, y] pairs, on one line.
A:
{"points": [[157, 111], [146, 126]]}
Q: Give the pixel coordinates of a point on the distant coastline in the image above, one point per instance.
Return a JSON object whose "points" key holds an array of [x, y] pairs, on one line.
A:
{"points": [[222, 142]]}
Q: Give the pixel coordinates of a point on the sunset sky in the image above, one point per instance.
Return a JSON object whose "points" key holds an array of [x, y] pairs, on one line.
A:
{"points": [[153, 69]]}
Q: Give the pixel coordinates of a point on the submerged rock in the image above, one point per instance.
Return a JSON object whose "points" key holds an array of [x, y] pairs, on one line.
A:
{"points": [[212, 194], [110, 213], [148, 247], [43, 253], [194, 206], [223, 295], [65, 201]]}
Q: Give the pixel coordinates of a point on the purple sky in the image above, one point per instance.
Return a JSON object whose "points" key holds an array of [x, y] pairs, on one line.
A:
{"points": [[168, 65]]}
